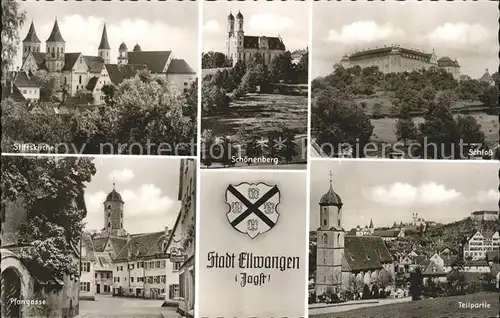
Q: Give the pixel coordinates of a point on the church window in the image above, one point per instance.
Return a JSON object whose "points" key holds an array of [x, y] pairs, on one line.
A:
{"points": [[325, 239], [338, 238], [109, 224], [324, 222], [65, 80], [109, 214], [339, 222], [80, 79]]}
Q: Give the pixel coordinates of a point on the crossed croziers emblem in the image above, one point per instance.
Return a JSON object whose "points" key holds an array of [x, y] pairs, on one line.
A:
{"points": [[252, 207]]}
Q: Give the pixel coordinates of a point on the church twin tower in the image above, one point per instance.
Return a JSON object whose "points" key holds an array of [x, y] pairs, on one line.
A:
{"points": [[56, 48]]}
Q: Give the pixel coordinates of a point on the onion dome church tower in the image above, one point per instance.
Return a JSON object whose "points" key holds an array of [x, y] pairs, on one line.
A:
{"points": [[31, 42], [113, 215], [330, 243], [123, 54]]}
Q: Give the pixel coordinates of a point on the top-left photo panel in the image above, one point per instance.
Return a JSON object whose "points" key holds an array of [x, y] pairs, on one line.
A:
{"points": [[111, 78]]}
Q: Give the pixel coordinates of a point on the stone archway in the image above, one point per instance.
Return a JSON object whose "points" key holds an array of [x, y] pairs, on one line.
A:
{"points": [[15, 284], [11, 293]]}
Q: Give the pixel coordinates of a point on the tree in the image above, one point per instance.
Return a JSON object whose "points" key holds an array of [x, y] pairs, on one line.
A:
{"points": [[384, 279], [377, 110], [302, 69], [237, 72], [406, 130], [366, 292], [355, 285], [48, 187], [416, 284], [208, 141], [213, 60], [48, 86], [280, 68], [12, 21], [339, 120], [213, 99]]}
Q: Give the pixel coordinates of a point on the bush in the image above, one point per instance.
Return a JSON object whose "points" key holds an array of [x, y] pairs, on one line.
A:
{"points": [[366, 292]]}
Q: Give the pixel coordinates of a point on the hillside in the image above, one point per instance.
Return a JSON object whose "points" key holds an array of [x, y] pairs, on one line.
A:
{"points": [[456, 231]]}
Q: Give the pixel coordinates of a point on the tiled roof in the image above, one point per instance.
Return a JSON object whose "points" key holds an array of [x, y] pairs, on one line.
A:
{"points": [[104, 45], [99, 243], [486, 78], [31, 36], [117, 73], [154, 60], [434, 269], [114, 196], [55, 35], [445, 61], [142, 245], [118, 243], [178, 66], [479, 262], [70, 60], [365, 253], [449, 260], [386, 233], [23, 80], [252, 42], [95, 63], [40, 60], [91, 84], [387, 50], [491, 255], [89, 248]]}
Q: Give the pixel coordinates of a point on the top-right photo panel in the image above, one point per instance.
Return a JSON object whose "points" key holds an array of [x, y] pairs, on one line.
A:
{"points": [[405, 80]]}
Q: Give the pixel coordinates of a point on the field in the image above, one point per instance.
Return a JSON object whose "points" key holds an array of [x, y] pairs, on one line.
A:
{"points": [[260, 114], [428, 308]]}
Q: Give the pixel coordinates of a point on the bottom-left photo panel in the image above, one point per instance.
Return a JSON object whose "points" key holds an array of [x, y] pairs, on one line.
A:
{"points": [[98, 236]]}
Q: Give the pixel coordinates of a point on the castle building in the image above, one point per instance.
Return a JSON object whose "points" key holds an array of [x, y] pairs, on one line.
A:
{"points": [[396, 59], [75, 72], [484, 215], [242, 47], [342, 259]]}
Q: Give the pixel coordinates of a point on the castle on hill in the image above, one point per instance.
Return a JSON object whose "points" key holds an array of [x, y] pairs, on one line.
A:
{"points": [[242, 47], [75, 71], [397, 59]]}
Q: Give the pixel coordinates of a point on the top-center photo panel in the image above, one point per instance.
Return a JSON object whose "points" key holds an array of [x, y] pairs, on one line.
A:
{"points": [[254, 103]]}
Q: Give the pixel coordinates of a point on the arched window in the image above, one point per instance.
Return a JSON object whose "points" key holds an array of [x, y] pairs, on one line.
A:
{"points": [[109, 224], [65, 80], [109, 214], [338, 238], [324, 222], [325, 239], [80, 79]]}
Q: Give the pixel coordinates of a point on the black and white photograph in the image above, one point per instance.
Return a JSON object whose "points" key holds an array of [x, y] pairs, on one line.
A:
{"points": [[98, 237], [100, 77], [403, 239], [252, 244], [254, 104], [405, 80]]}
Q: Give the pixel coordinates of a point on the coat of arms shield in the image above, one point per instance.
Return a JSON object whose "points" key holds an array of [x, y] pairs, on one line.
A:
{"points": [[252, 207]]}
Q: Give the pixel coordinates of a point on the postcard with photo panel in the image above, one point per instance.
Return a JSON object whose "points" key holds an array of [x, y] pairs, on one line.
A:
{"points": [[100, 77], [403, 239], [98, 237], [252, 254], [254, 107], [405, 80]]}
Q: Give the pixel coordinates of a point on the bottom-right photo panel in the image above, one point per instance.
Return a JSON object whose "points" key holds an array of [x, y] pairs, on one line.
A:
{"points": [[403, 239]]}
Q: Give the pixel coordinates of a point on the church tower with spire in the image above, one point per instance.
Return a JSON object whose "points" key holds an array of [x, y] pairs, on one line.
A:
{"points": [[113, 215], [330, 243], [31, 42], [104, 48], [54, 55]]}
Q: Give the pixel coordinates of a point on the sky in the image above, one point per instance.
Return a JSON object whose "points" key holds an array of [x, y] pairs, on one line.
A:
{"points": [[390, 191], [466, 31], [148, 186], [156, 26], [286, 19]]}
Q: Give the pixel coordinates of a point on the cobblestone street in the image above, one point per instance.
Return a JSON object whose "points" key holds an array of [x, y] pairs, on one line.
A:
{"points": [[119, 307]]}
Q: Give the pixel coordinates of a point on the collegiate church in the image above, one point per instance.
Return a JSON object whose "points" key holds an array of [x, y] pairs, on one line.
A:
{"points": [[397, 59], [342, 258], [241, 47], [76, 71]]}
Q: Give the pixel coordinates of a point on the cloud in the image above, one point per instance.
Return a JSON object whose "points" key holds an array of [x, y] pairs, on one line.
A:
{"points": [[269, 22], [406, 194], [460, 34], [121, 176], [146, 209], [364, 32], [487, 196], [211, 26]]}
